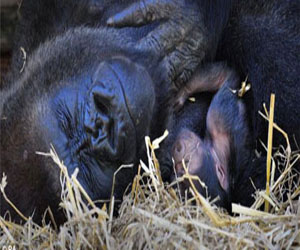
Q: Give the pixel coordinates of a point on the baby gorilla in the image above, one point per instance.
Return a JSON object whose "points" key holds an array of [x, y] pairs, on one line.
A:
{"points": [[222, 156]]}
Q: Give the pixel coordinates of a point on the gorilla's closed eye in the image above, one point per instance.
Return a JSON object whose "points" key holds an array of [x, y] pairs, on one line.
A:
{"points": [[71, 123]]}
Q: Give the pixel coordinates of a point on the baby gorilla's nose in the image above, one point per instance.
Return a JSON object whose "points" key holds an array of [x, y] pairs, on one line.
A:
{"points": [[179, 154], [179, 151], [179, 169]]}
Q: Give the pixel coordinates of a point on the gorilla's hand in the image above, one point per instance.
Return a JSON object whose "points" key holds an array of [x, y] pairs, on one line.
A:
{"points": [[180, 39]]}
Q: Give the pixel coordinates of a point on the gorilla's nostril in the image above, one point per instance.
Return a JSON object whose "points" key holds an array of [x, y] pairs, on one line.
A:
{"points": [[180, 148], [87, 129], [179, 170], [91, 130], [96, 140], [89, 126]]}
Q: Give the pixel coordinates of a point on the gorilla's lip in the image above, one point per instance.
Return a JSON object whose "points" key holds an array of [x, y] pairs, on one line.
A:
{"points": [[83, 146]]}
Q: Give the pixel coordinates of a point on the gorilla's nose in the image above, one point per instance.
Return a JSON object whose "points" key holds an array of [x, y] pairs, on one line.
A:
{"points": [[89, 125], [179, 151], [98, 122], [99, 128], [179, 169]]}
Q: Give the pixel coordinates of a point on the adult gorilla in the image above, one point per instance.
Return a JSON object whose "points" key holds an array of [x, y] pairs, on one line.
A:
{"points": [[90, 96], [89, 91]]}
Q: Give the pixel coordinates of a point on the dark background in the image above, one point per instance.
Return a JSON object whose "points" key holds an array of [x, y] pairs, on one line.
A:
{"points": [[8, 20]]}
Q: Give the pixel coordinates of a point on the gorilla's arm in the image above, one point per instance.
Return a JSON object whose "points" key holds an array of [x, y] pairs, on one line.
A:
{"points": [[188, 33]]}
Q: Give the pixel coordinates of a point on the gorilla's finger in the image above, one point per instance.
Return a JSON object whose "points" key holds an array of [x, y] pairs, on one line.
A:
{"points": [[164, 39], [180, 64], [143, 12], [186, 73], [179, 102]]}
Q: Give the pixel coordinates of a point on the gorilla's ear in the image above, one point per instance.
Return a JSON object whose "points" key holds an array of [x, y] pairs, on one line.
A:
{"points": [[222, 176], [224, 121], [220, 145], [220, 119]]}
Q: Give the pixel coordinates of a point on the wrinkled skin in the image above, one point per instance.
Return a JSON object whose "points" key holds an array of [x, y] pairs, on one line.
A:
{"points": [[221, 157], [188, 33], [93, 98]]}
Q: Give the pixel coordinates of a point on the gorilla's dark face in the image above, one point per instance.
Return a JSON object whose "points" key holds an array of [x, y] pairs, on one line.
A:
{"points": [[88, 93], [99, 123]]}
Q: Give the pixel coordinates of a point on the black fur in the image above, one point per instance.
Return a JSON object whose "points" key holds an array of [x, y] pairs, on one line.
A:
{"points": [[262, 41]]}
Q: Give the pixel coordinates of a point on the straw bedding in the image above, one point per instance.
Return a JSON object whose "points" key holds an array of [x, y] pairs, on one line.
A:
{"points": [[155, 216]]}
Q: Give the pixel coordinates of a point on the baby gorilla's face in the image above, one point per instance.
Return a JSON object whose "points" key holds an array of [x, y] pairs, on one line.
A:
{"points": [[200, 161], [188, 150]]}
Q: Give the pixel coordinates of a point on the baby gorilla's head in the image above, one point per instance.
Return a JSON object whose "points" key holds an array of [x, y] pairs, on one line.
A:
{"points": [[201, 161]]}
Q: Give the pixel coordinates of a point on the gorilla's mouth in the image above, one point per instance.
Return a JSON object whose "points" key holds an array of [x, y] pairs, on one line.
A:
{"points": [[82, 146]]}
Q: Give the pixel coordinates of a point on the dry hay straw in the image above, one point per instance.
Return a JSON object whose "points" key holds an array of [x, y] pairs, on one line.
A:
{"points": [[154, 216]]}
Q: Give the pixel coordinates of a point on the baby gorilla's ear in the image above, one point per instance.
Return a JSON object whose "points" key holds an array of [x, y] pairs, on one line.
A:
{"points": [[220, 146], [207, 78], [222, 176], [224, 121]]}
